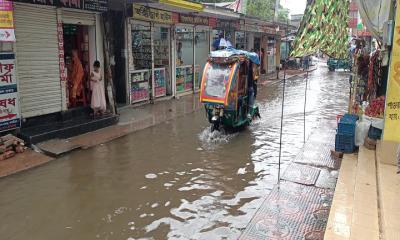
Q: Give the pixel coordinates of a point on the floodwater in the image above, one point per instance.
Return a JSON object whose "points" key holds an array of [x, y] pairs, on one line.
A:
{"points": [[172, 181]]}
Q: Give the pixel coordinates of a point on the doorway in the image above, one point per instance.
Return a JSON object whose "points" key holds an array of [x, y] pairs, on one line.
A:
{"points": [[77, 61]]}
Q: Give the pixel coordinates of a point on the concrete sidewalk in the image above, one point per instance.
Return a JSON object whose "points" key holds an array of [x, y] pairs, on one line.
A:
{"points": [[298, 207], [131, 119]]}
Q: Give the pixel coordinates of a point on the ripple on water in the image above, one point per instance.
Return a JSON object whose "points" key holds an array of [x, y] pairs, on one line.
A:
{"points": [[151, 176]]}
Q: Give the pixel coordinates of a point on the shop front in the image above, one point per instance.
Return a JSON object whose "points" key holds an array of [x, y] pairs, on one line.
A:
{"points": [[149, 51], [261, 39], [271, 53], [240, 36], [226, 29], [192, 49], [58, 41]]}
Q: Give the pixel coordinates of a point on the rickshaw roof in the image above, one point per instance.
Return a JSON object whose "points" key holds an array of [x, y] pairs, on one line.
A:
{"points": [[230, 52]]}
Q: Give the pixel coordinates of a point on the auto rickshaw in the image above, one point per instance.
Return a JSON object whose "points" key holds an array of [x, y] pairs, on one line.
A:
{"points": [[334, 64], [224, 89]]}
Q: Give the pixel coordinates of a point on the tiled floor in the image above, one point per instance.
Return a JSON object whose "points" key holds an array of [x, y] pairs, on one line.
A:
{"points": [[297, 209], [389, 201], [364, 208], [354, 211]]}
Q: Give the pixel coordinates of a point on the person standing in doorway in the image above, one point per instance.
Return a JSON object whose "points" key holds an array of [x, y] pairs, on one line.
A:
{"points": [[77, 74], [98, 102]]}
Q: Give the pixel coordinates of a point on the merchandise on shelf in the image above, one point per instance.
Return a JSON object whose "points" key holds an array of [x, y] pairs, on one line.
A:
{"points": [[184, 78], [376, 108], [141, 48], [140, 85], [160, 82]]}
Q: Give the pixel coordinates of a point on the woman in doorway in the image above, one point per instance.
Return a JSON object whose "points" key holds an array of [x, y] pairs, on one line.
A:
{"points": [[77, 74], [98, 102]]}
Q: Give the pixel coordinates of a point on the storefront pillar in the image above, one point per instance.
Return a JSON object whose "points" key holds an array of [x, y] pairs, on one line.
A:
{"points": [[128, 59], [173, 62], [264, 53], [278, 52], [250, 41], [63, 69], [99, 43]]}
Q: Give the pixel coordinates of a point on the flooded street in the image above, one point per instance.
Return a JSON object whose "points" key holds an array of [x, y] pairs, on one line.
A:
{"points": [[172, 181]]}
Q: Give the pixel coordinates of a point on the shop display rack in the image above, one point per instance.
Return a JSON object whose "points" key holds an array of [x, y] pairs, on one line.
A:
{"points": [[140, 80], [160, 82]]}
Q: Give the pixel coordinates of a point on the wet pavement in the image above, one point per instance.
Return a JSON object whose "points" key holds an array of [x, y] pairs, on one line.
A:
{"points": [[175, 180]]}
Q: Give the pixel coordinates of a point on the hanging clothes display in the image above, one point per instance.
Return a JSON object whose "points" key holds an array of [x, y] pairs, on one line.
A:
{"points": [[375, 74], [324, 28]]}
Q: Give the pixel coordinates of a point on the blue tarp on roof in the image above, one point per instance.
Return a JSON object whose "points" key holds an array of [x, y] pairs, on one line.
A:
{"points": [[229, 52]]}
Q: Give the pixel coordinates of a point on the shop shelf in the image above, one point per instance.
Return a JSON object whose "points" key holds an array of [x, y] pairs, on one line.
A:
{"points": [[344, 143], [374, 133]]}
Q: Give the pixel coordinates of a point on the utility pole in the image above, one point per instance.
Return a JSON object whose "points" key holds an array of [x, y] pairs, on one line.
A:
{"points": [[276, 10], [243, 4]]}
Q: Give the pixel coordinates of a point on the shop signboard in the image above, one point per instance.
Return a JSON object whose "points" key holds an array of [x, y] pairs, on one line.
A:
{"points": [[251, 28], [89, 5], [392, 109], [212, 22], [151, 14], [61, 57], [194, 20], [260, 28], [362, 33], [96, 5], [9, 107], [228, 25], [242, 26], [7, 33]]}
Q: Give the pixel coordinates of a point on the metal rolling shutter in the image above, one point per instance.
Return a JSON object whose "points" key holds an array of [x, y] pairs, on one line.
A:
{"points": [[37, 60], [75, 17]]}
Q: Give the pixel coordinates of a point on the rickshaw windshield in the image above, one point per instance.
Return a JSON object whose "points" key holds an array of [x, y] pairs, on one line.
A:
{"points": [[217, 80]]}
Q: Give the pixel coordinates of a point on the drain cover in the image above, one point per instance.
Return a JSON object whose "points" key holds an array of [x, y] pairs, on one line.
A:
{"points": [[301, 174], [316, 156], [291, 211]]}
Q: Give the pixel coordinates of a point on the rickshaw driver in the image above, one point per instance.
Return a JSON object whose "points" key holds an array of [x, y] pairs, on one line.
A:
{"points": [[250, 87], [254, 73]]}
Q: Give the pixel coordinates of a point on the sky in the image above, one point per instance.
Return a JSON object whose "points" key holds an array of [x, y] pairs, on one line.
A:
{"points": [[295, 6]]}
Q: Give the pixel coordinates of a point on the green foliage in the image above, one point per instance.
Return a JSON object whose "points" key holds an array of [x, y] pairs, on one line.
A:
{"points": [[263, 9], [283, 14]]}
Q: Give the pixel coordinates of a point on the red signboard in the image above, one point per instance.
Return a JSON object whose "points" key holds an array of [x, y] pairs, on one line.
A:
{"points": [[353, 23], [362, 33], [175, 18], [212, 22], [353, 7]]}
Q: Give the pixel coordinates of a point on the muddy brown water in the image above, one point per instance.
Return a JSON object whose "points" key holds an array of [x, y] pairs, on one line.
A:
{"points": [[172, 181]]}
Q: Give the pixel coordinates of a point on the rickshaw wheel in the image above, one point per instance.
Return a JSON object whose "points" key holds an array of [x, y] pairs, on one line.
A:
{"points": [[214, 127]]}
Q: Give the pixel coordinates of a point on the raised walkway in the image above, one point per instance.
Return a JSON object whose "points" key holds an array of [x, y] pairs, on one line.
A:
{"points": [[298, 207]]}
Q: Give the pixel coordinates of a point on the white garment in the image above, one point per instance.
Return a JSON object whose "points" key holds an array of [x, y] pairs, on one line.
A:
{"points": [[98, 94]]}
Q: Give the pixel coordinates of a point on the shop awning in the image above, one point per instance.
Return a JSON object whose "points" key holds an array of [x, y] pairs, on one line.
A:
{"points": [[375, 15], [323, 27], [184, 4]]}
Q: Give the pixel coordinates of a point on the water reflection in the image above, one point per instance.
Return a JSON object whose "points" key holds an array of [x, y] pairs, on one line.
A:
{"points": [[176, 180]]}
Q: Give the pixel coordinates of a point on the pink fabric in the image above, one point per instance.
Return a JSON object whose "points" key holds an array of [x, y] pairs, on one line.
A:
{"points": [[98, 96]]}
